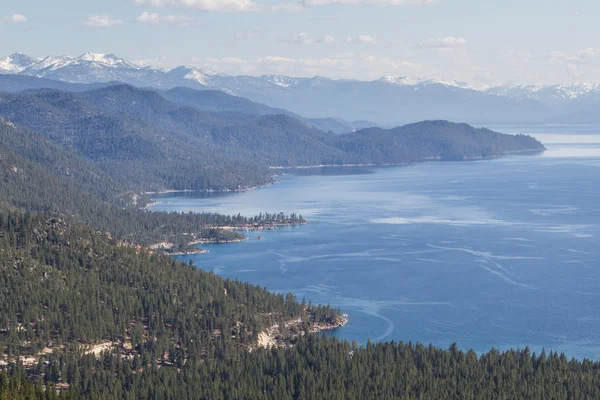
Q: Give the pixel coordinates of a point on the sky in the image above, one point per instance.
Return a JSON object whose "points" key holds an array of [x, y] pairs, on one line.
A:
{"points": [[481, 42]]}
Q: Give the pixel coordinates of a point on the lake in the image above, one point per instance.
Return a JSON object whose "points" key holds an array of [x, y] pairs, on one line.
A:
{"points": [[499, 253]]}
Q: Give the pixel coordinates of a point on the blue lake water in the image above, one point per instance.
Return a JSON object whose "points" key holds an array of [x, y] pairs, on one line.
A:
{"points": [[498, 253]]}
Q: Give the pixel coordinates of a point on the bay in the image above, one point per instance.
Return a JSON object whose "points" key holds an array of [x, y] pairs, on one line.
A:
{"points": [[498, 253]]}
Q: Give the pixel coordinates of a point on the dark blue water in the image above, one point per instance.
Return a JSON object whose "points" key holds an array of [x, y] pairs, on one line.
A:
{"points": [[500, 253]]}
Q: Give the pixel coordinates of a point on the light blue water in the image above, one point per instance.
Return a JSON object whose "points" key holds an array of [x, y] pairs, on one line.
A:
{"points": [[500, 253]]}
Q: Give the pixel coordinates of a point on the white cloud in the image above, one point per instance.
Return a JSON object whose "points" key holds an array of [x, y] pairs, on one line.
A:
{"points": [[305, 38], [203, 5], [345, 65], [443, 43], [101, 21], [156, 18], [17, 18], [286, 7], [159, 62], [367, 2], [361, 39], [585, 56], [327, 39], [249, 5], [583, 64]]}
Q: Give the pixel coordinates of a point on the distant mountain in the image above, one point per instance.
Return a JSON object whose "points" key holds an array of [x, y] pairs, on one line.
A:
{"points": [[570, 104], [144, 140], [387, 101], [432, 140], [94, 68], [16, 63], [129, 133], [554, 95], [406, 81], [216, 100], [203, 77], [203, 99], [17, 83]]}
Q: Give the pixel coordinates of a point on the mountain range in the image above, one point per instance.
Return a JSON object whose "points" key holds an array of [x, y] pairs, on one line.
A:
{"points": [[386, 102]]}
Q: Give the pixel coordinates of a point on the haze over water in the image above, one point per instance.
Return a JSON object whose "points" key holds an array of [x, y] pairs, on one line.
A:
{"points": [[498, 253]]}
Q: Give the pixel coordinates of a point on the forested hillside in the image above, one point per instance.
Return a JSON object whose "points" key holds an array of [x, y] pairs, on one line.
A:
{"points": [[64, 283], [128, 140], [39, 176], [215, 100], [142, 138], [94, 318], [431, 140], [66, 286]]}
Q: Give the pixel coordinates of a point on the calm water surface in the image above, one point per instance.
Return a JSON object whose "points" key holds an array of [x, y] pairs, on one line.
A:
{"points": [[500, 253]]}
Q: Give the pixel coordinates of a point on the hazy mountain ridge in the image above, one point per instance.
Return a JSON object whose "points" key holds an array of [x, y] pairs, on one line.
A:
{"points": [[386, 101], [139, 135], [16, 63]]}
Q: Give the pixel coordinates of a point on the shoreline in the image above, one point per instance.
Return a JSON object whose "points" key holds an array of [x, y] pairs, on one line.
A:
{"points": [[215, 241], [265, 227], [240, 189], [153, 203], [271, 336], [187, 252], [423, 161], [317, 328], [166, 247]]}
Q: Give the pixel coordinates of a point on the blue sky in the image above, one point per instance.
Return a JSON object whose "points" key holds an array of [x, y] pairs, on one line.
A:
{"points": [[484, 42]]}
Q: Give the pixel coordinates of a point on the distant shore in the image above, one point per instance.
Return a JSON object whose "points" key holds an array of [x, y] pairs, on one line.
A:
{"points": [[226, 190], [283, 168], [422, 161]]}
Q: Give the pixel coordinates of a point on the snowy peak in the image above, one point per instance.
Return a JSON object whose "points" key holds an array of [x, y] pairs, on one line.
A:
{"points": [[283, 81], [49, 63], [406, 81], [400, 80], [16, 63], [195, 74], [548, 93], [98, 67], [578, 89], [88, 60], [108, 60]]}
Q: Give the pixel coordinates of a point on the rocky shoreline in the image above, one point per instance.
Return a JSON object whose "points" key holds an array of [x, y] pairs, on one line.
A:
{"points": [[168, 247], [187, 252], [272, 337]]}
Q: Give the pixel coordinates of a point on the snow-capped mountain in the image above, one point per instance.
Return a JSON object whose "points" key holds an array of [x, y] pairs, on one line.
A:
{"points": [[47, 64], [109, 60], [550, 93], [16, 63], [202, 76], [93, 61], [95, 67], [389, 100], [406, 81], [283, 81]]}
